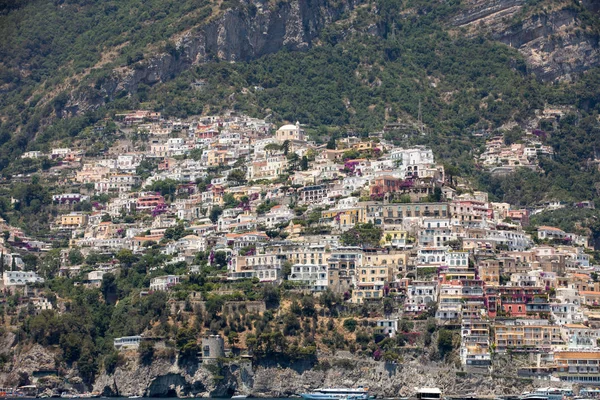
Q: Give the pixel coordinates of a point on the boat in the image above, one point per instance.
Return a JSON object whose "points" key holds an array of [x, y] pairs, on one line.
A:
{"points": [[588, 393], [359, 393], [239, 396], [134, 397], [547, 394], [429, 394]]}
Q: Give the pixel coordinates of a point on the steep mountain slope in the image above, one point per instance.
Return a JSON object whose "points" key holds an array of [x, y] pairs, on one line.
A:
{"points": [[557, 38], [68, 57], [353, 65]]}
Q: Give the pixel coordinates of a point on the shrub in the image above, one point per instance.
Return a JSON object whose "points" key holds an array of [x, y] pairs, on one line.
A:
{"points": [[350, 324]]}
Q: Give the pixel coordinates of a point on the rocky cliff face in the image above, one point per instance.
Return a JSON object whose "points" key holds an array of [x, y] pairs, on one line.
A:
{"points": [[242, 34], [552, 40], [166, 376], [273, 379]]}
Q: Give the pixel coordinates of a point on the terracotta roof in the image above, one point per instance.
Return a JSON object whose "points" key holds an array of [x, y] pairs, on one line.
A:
{"points": [[549, 228]]}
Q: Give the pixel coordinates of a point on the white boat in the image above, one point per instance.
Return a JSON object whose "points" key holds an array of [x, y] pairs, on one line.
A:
{"points": [[429, 394], [239, 396], [134, 397], [547, 394], [337, 394]]}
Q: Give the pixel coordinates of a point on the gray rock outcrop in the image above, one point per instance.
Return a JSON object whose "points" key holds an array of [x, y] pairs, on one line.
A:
{"points": [[553, 41], [163, 378]]}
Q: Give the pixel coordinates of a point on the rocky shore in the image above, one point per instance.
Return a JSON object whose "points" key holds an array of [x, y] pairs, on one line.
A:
{"points": [[267, 378]]}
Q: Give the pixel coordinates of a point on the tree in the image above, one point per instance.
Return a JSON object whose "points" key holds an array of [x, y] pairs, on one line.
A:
{"points": [[233, 338], [30, 262], [308, 306], [220, 259], [271, 296], [272, 147], [237, 176], [229, 200], [366, 235], [126, 257], [331, 145], [304, 163], [329, 299], [109, 288], [215, 213], [146, 352], [285, 146], [350, 324], [195, 154], [445, 342], [388, 306], [175, 233], [75, 257], [166, 187], [111, 362], [291, 325]]}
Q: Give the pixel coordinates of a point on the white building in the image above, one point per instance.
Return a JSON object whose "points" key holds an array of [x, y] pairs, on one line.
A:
{"points": [[388, 327], [432, 256], [117, 183], [457, 259], [95, 277], [420, 294], [20, 278], [278, 215], [127, 342], [32, 154], [164, 283], [314, 275]]}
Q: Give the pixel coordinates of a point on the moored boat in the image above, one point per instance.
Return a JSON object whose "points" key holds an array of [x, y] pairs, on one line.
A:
{"points": [[547, 394], [337, 394], [429, 394]]}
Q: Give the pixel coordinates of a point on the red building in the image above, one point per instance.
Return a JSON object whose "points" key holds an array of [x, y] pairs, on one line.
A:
{"points": [[386, 184], [149, 201]]}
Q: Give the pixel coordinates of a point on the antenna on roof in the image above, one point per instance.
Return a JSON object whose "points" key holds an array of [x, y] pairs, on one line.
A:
{"points": [[420, 117]]}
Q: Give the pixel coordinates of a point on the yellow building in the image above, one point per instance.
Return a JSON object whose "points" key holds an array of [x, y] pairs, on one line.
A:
{"points": [[367, 292], [525, 335], [346, 218], [73, 220], [370, 273], [90, 173], [395, 260], [290, 132], [578, 366], [216, 157], [489, 272], [370, 282], [394, 238], [362, 146]]}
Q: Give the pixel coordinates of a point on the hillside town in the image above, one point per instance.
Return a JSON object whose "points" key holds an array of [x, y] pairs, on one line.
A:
{"points": [[373, 223]]}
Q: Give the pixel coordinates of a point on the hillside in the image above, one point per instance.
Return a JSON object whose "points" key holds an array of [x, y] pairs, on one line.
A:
{"points": [[346, 66], [209, 198]]}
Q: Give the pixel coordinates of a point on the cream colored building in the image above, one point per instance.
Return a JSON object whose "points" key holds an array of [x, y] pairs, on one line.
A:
{"points": [[290, 132]]}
